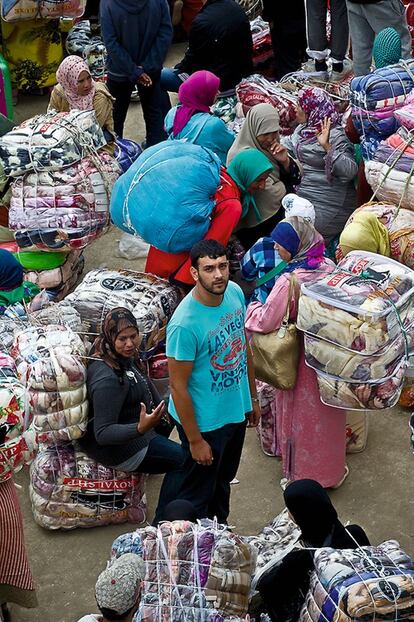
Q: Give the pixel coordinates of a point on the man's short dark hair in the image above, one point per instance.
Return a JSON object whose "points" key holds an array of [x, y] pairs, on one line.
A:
{"points": [[109, 614], [206, 248]]}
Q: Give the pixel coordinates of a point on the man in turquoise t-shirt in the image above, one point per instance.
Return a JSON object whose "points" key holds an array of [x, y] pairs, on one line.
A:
{"points": [[213, 391]]}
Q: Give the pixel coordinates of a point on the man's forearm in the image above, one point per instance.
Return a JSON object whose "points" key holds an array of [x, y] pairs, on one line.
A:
{"points": [[185, 409]]}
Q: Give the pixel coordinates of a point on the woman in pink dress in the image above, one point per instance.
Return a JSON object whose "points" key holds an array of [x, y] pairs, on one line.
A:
{"points": [[311, 436]]}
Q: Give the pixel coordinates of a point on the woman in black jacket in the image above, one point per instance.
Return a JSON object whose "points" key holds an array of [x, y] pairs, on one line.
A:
{"points": [[125, 409]]}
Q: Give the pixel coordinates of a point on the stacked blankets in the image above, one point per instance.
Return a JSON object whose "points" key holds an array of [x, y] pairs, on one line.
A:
{"points": [[358, 323], [389, 171], [194, 572], [257, 90], [49, 363], [370, 583], [152, 301], [64, 209], [17, 438], [69, 490], [374, 100], [262, 42]]}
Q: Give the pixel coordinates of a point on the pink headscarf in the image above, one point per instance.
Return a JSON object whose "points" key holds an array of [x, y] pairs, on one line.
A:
{"points": [[196, 94], [67, 75]]}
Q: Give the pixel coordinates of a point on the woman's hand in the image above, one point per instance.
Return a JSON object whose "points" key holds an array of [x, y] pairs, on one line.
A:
{"points": [[280, 153], [147, 421], [324, 134]]}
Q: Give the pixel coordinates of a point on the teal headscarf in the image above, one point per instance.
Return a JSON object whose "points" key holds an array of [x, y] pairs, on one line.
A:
{"points": [[244, 169], [387, 48]]}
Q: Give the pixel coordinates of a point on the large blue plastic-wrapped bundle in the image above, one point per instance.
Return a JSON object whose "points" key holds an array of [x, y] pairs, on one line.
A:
{"points": [[126, 152], [167, 195]]}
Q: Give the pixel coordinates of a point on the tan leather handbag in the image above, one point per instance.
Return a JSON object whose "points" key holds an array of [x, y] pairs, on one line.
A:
{"points": [[276, 354]]}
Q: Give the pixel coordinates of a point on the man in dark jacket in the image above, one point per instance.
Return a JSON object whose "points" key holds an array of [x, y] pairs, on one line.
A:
{"points": [[366, 19], [137, 35], [220, 41]]}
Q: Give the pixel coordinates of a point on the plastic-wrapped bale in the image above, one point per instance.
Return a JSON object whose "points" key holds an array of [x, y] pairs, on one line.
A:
{"points": [[252, 8], [81, 42], [151, 300], [17, 437], [47, 9], [369, 583], [267, 429], [158, 372], [257, 90], [400, 225], [69, 490], [362, 305], [50, 142], [57, 277], [262, 42], [405, 115], [338, 90], [49, 363], [66, 209], [126, 152], [185, 178], [389, 172], [210, 568], [9, 328], [63, 314], [375, 97], [273, 543]]}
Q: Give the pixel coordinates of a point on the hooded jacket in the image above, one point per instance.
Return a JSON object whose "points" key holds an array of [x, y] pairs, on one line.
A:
{"points": [[137, 35], [220, 41]]}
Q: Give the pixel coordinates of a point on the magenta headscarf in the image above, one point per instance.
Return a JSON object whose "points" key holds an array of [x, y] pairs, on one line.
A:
{"points": [[317, 105], [196, 94]]}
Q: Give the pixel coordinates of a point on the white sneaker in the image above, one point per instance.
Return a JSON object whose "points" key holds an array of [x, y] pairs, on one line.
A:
{"points": [[135, 96], [309, 69]]}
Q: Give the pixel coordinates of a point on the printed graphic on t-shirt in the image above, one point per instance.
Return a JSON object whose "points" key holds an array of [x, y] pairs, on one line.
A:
{"points": [[227, 350]]}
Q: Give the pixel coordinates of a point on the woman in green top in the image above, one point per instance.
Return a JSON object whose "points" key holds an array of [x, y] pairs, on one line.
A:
{"points": [[13, 289]]}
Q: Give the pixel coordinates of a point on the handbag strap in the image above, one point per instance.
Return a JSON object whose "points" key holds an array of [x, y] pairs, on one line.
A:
{"points": [[273, 272], [293, 282]]}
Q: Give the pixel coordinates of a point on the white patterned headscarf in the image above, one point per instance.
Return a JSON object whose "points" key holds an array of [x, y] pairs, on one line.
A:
{"points": [[297, 206]]}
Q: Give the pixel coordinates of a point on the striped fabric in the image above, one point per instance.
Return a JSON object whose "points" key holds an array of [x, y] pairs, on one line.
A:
{"points": [[14, 565]]}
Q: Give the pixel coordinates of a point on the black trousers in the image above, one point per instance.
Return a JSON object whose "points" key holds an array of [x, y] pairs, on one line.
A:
{"points": [[289, 37], [208, 487], [155, 105]]}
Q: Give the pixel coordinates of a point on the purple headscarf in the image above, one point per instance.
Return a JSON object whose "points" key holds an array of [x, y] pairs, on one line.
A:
{"points": [[196, 94], [317, 105]]}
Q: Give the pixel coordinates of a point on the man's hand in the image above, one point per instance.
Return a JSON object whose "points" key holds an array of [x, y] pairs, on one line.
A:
{"points": [[147, 421], [254, 416], [201, 452], [144, 80]]}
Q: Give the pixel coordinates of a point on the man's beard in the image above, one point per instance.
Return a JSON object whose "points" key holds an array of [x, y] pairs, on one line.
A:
{"points": [[214, 291]]}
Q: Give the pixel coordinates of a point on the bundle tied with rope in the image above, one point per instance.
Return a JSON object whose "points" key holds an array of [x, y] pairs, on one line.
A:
{"points": [[357, 323]]}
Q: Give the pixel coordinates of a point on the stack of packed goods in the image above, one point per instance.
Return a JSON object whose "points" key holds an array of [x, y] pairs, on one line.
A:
{"points": [[81, 41], [368, 583], [158, 372], [262, 44], [9, 327], [358, 331], [126, 152], [389, 171], [407, 393], [338, 90], [69, 490], [22, 10], [152, 301], [273, 543], [374, 100], [400, 225], [17, 437], [257, 90], [50, 363], [194, 572], [60, 193]]}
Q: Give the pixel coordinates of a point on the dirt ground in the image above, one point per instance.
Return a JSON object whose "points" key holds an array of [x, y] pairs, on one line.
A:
{"points": [[378, 494]]}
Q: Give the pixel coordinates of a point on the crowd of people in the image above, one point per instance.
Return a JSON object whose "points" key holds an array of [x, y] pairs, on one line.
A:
{"points": [[285, 202]]}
